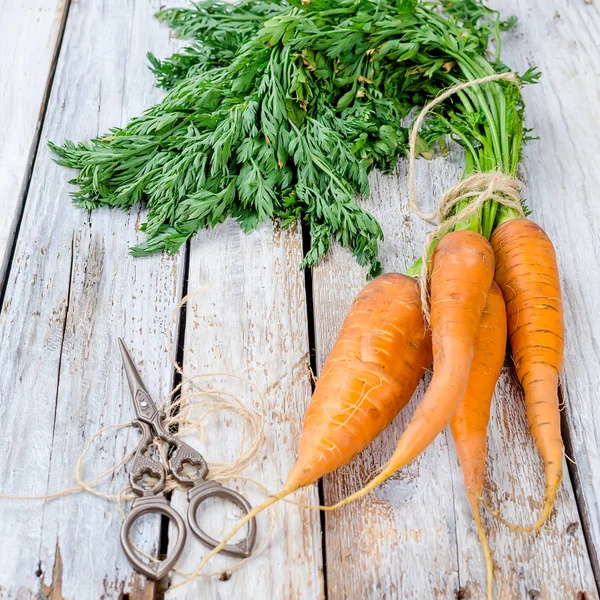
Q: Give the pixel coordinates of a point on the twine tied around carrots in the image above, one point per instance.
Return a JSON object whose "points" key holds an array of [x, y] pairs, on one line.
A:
{"points": [[479, 187]]}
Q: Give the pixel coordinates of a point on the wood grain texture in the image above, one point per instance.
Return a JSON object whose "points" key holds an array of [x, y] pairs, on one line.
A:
{"points": [[562, 180], [414, 536], [72, 291], [29, 31], [250, 319]]}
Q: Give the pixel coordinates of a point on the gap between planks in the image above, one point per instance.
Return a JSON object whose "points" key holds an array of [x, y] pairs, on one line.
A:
{"points": [[575, 477], [163, 542], [312, 352]]}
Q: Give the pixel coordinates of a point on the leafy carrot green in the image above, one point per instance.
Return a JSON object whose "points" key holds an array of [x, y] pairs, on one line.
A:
{"points": [[280, 110]]}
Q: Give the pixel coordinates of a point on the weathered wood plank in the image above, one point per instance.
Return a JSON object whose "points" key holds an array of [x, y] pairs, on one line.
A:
{"points": [[72, 290], [29, 31], [425, 508], [562, 181], [251, 321], [414, 536]]}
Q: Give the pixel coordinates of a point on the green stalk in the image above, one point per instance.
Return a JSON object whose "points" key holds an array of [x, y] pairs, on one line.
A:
{"points": [[498, 39], [489, 145], [498, 148]]}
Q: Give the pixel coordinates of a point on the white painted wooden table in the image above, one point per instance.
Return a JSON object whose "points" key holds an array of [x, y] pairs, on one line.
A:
{"points": [[69, 288]]}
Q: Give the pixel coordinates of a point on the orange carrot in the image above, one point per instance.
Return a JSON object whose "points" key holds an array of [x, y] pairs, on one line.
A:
{"points": [[469, 423], [383, 349], [461, 277], [378, 359], [527, 274]]}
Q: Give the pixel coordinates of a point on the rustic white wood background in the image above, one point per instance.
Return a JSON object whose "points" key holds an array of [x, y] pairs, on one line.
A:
{"points": [[73, 69]]}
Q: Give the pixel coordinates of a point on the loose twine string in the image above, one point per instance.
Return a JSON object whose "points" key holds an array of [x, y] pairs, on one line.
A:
{"points": [[491, 185], [479, 187], [181, 412]]}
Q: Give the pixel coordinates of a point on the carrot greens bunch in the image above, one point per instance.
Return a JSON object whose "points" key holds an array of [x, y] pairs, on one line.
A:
{"points": [[279, 110]]}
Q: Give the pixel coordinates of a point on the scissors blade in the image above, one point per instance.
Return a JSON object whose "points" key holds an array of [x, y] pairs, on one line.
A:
{"points": [[133, 375], [144, 405]]}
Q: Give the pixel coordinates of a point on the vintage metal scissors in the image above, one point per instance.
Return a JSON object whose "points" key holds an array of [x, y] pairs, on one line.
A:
{"points": [[187, 466]]}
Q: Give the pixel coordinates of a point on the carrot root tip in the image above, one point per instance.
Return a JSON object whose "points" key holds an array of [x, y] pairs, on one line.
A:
{"points": [[546, 512], [489, 564]]}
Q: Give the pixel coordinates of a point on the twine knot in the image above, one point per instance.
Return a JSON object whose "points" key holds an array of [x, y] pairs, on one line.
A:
{"points": [[478, 189]]}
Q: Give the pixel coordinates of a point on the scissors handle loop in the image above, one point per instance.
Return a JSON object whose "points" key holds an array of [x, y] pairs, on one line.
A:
{"points": [[143, 506], [211, 489]]}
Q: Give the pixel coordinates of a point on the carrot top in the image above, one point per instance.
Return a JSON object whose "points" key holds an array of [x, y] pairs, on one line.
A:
{"points": [[280, 110], [488, 122]]}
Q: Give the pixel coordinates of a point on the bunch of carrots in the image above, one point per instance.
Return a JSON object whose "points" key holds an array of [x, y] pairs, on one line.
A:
{"points": [[481, 291], [493, 276]]}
